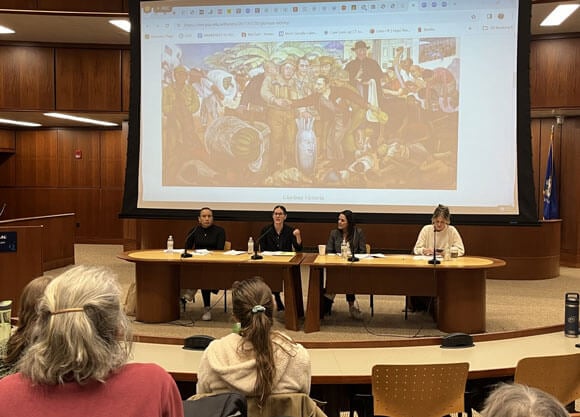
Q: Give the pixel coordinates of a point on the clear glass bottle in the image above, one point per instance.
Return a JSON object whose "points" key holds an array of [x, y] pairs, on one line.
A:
{"points": [[170, 244], [251, 246]]}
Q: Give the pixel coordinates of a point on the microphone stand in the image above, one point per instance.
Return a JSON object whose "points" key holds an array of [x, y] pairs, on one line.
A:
{"points": [[353, 258], [185, 254], [256, 255], [434, 261]]}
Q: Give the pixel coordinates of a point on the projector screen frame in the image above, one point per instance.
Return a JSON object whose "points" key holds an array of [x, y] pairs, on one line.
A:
{"points": [[526, 193]]}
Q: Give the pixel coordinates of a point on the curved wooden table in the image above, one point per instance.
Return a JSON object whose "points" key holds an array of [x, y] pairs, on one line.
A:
{"points": [[159, 277], [458, 284]]}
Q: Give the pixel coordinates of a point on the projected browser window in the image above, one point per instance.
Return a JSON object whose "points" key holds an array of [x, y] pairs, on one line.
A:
{"points": [[381, 106]]}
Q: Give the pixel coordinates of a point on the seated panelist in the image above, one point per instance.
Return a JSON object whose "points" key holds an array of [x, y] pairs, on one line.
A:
{"points": [[280, 236], [445, 237], [204, 235], [348, 232]]}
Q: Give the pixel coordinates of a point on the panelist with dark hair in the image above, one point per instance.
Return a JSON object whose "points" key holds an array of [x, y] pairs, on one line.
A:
{"points": [[347, 232], [205, 235], [279, 236], [445, 237]]}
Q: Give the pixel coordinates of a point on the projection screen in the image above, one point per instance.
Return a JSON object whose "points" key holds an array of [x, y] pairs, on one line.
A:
{"points": [[376, 106]]}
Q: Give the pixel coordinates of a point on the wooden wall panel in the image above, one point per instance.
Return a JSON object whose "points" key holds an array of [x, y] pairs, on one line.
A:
{"points": [[113, 159], [88, 79], [18, 4], [126, 78], [7, 140], [111, 227], [26, 78], [36, 158], [78, 172], [570, 192], [82, 6], [554, 75], [7, 172]]}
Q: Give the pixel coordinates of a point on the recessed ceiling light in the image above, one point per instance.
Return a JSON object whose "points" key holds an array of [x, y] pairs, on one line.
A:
{"points": [[19, 123], [80, 119], [559, 14], [123, 24], [5, 30]]}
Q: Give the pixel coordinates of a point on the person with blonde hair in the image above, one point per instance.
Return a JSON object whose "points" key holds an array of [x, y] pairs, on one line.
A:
{"points": [[516, 400], [256, 361], [27, 316], [77, 358]]}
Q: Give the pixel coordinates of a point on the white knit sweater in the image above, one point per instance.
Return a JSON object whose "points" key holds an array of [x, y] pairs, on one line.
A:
{"points": [[229, 365]]}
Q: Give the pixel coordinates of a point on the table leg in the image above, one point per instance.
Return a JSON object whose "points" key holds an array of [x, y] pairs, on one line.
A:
{"points": [[312, 320]]}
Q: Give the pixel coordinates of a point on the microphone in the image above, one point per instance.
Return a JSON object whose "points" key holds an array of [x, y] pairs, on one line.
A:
{"points": [[434, 261], [352, 258], [190, 234], [257, 244]]}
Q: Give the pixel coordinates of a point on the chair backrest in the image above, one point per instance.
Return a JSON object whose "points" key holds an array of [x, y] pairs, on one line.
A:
{"points": [[419, 390], [556, 375], [228, 245], [291, 404]]}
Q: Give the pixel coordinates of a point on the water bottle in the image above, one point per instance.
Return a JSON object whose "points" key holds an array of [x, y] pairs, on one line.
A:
{"points": [[343, 249], [170, 244], [571, 314], [348, 250], [250, 246]]}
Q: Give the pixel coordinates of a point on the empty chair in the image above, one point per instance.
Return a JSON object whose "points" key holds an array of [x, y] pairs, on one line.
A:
{"points": [[419, 390], [556, 375]]}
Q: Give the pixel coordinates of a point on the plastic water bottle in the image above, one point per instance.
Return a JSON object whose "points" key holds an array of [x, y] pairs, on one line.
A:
{"points": [[170, 244], [348, 250], [343, 251], [250, 246]]}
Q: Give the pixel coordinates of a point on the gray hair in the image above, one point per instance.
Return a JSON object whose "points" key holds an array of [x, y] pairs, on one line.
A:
{"points": [[516, 400], [81, 333]]}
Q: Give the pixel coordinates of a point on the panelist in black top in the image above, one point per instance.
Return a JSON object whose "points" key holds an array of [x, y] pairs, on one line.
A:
{"points": [[279, 236], [205, 235], [346, 231]]}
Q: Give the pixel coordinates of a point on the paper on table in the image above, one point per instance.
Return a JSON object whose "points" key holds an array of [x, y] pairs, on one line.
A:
{"points": [[278, 253], [173, 251], [234, 252]]}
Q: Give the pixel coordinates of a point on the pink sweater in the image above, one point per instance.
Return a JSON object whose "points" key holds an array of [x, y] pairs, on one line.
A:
{"points": [[137, 390]]}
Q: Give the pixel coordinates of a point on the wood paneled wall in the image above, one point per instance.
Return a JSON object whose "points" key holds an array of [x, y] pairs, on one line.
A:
{"points": [[44, 176]]}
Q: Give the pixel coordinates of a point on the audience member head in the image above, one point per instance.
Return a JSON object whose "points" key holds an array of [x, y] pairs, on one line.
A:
{"points": [[441, 217], [81, 333], [27, 315], [346, 223], [515, 400], [253, 307]]}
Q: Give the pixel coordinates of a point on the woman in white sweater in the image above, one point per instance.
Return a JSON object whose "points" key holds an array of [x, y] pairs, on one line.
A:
{"points": [[256, 361]]}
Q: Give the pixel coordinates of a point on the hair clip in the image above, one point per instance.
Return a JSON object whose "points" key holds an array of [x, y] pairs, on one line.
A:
{"points": [[258, 309]]}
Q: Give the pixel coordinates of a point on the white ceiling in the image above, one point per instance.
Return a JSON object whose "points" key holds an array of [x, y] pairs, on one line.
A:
{"points": [[52, 28]]}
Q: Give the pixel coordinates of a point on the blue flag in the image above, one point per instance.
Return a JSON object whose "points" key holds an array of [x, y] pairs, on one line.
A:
{"points": [[550, 186]]}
